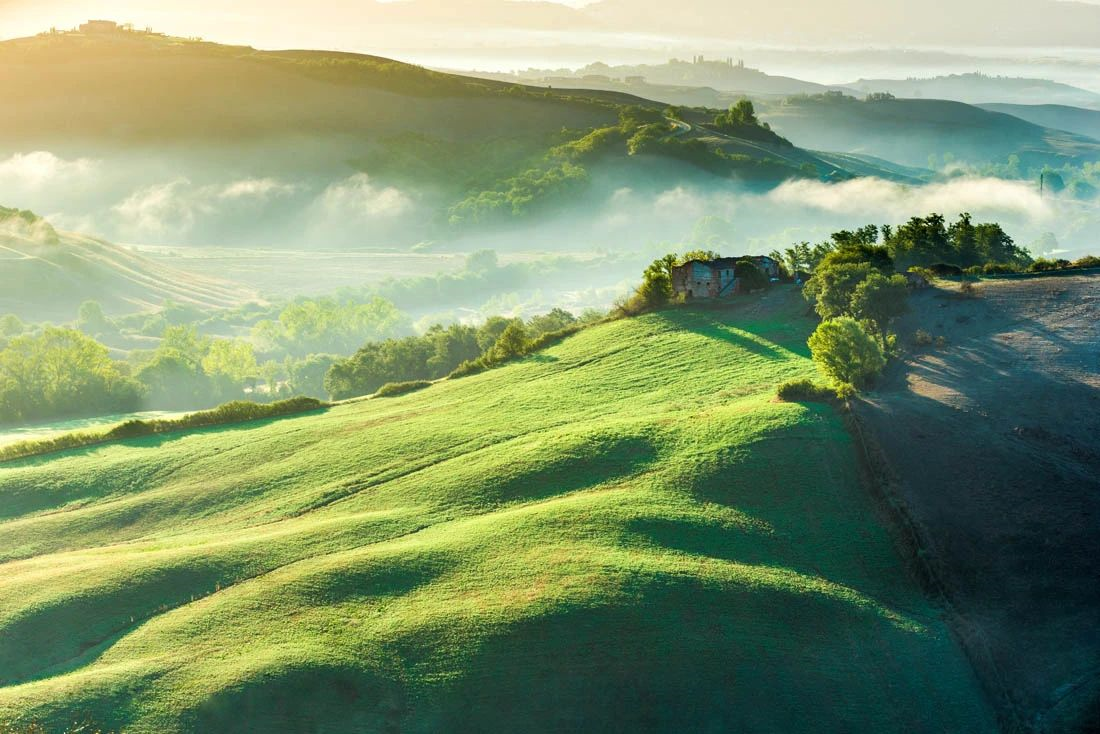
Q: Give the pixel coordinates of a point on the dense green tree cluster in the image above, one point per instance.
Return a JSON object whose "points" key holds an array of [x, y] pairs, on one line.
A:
{"points": [[857, 295], [61, 372], [740, 121], [330, 325], [928, 240], [518, 196], [922, 241], [438, 353], [188, 370]]}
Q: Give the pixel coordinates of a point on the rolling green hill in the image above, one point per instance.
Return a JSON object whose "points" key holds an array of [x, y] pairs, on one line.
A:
{"points": [[908, 131], [143, 88], [46, 275], [625, 532], [1060, 117]]}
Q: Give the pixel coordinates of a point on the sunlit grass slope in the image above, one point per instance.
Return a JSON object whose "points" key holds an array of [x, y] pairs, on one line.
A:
{"points": [[623, 533]]}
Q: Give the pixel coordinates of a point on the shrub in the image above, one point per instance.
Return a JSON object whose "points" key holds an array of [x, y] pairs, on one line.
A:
{"points": [[999, 269], [551, 338], [1043, 265], [467, 368], [655, 290], [393, 389], [846, 353], [941, 342], [945, 269], [922, 338], [968, 290], [804, 391], [1088, 261], [235, 412]]}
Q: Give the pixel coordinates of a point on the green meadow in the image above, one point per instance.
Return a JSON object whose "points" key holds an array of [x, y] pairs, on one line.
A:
{"points": [[624, 532]]}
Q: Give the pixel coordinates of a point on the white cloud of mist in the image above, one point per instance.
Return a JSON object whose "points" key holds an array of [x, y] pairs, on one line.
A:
{"points": [[178, 202], [256, 189], [357, 198], [41, 168], [871, 198], [160, 210], [812, 210], [177, 210]]}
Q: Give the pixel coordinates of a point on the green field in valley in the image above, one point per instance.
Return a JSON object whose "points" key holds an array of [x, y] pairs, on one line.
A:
{"points": [[624, 532]]}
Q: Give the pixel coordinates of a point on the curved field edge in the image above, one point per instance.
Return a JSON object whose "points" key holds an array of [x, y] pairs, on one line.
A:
{"points": [[625, 531]]}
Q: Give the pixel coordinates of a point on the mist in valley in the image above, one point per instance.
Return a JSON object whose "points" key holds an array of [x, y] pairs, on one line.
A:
{"points": [[182, 207]]}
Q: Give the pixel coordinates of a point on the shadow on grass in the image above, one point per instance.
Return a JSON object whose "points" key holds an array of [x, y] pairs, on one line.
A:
{"points": [[94, 621], [307, 698], [775, 332]]}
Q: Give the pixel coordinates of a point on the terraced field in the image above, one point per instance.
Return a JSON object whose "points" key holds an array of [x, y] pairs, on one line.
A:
{"points": [[625, 532]]}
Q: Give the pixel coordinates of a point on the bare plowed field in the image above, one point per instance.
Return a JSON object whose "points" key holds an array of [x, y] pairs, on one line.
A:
{"points": [[994, 440]]}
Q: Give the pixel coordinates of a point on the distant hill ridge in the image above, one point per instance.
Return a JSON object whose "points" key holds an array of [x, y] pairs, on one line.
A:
{"points": [[470, 145], [46, 274], [1060, 117], [726, 75], [978, 88], [909, 131]]}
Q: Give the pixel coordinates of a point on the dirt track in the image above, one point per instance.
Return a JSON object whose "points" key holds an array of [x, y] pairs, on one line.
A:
{"points": [[995, 443]]}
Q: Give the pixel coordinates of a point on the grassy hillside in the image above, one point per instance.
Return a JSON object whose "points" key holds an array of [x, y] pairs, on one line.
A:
{"points": [[135, 88], [46, 275], [908, 131], [624, 532]]}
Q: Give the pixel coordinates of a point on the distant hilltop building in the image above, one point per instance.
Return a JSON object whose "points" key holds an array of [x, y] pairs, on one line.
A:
{"points": [[728, 61], [100, 26]]}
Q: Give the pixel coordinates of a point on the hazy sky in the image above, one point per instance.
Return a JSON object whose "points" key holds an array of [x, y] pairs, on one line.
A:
{"points": [[881, 22], [503, 34]]}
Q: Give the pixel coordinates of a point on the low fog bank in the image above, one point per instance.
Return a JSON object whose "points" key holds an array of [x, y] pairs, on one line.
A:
{"points": [[179, 202], [171, 202], [648, 218]]}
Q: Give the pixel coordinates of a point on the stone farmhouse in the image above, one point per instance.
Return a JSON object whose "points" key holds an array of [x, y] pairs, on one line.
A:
{"points": [[716, 278]]}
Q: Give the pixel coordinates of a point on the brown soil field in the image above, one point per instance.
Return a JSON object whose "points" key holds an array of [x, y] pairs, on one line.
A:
{"points": [[991, 451]]}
